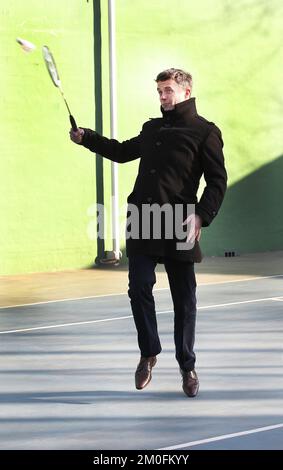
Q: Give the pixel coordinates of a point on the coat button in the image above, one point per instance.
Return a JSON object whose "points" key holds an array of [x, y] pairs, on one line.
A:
{"points": [[152, 171], [149, 199], [158, 143]]}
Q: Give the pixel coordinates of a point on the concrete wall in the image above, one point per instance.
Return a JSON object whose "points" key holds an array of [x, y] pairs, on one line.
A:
{"points": [[46, 184], [234, 51]]}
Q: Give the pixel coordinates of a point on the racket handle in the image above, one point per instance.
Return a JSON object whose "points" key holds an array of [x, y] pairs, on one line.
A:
{"points": [[73, 123]]}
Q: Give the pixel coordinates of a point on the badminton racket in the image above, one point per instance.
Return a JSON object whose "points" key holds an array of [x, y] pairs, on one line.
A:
{"points": [[53, 72]]}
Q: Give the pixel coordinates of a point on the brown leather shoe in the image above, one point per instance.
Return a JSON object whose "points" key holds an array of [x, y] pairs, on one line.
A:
{"points": [[143, 372], [190, 382]]}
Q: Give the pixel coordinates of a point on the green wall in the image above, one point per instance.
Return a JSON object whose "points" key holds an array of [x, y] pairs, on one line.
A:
{"points": [[47, 184], [235, 53]]}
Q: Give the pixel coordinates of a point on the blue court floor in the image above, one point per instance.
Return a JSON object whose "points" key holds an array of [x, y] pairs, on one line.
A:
{"points": [[67, 372]]}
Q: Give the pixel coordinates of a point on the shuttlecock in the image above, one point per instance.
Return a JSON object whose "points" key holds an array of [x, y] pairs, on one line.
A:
{"points": [[26, 45]]}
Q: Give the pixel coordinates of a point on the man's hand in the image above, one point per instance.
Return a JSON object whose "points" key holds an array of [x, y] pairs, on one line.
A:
{"points": [[195, 229], [76, 136]]}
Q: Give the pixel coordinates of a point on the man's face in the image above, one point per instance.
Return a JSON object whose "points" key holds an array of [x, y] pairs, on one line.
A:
{"points": [[171, 93]]}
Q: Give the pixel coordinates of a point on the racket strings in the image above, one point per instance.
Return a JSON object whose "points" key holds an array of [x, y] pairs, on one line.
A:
{"points": [[53, 72]]}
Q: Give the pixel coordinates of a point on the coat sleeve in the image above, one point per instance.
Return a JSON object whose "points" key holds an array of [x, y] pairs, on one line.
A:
{"points": [[215, 176], [120, 152]]}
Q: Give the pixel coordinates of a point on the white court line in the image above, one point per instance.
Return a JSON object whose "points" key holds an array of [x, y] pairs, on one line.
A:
{"points": [[62, 325], [224, 436], [204, 307], [71, 299]]}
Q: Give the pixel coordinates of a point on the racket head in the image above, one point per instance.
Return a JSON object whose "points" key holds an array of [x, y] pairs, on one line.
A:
{"points": [[51, 66]]}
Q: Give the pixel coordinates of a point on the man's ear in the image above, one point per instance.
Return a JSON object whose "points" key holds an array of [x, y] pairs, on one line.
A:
{"points": [[188, 92]]}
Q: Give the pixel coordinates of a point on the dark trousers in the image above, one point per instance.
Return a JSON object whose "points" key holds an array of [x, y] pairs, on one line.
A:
{"points": [[182, 283]]}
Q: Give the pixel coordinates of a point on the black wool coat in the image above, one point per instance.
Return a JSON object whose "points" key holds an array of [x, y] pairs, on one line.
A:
{"points": [[175, 150]]}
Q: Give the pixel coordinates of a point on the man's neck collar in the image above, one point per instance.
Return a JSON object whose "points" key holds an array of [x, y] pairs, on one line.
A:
{"points": [[186, 107]]}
